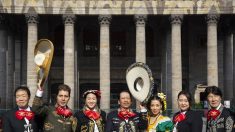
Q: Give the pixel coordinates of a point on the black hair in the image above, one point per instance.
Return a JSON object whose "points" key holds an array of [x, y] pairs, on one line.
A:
{"points": [[188, 96], [124, 91], [23, 88], [214, 90], [155, 97]]}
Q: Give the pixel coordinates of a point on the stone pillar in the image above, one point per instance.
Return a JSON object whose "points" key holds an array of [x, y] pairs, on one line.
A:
{"points": [[104, 62], [140, 38], [69, 70], [176, 65], [10, 69], [32, 21], [3, 61], [212, 53], [228, 65], [140, 21]]}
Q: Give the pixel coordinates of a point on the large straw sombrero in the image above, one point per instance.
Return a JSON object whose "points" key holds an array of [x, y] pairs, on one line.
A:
{"points": [[140, 81], [43, 54]]}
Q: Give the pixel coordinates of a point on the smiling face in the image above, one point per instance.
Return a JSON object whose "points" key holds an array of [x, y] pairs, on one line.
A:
{"points": [[62, 98], [155, 107], [91, 100], [125, 100], [183, 103], [214, 100], [22, 99]]}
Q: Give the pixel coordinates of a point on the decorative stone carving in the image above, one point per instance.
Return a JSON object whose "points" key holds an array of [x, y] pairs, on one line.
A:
{"points": [[212, 18], [140, 19], [176, 19], [69, 18], [32, 18], [105, 19]]}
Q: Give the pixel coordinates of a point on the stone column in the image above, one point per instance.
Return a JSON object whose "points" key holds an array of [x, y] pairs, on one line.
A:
{"points": [[32, 21], [212, 53], [176, 65], [69, 70], [228, 65], [104, 62], [3, 61], [140, 21], [140, 38], [10, 69]]}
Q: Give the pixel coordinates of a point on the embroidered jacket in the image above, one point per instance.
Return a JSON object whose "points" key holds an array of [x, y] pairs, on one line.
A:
{"points": [[53, 122], [85, 124], [136, 123], [222, 123]]}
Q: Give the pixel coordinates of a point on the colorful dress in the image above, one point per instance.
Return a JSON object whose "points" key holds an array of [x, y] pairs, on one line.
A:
{"points": [[161, 124]]}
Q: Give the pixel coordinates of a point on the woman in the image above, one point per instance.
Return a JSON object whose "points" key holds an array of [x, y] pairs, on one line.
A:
{"points": [[91, 118], [156, 121], [186, 120]]}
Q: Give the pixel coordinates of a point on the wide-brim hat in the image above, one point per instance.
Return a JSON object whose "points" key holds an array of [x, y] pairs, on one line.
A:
{"points": [[140, 81], [43, 54]]}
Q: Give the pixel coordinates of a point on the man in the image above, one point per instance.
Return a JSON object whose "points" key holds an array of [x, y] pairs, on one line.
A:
{"points": [[124, 119], [21, 118], [219, 118], [58, 118]]}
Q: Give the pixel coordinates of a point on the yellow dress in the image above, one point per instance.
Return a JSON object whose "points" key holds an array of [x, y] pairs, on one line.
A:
{"points": [[161, 121]]}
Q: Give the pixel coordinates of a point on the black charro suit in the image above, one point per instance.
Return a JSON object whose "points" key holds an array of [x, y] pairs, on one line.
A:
{"points": [[12, 124], [192, 123]]}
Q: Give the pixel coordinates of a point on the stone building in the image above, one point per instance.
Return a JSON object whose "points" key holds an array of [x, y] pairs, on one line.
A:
{"points": [[184, 42]]}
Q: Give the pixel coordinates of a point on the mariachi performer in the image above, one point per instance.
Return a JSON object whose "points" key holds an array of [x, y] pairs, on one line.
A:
{"points": [[219, 119], [91, 118], [156, 121], [125, 119], [186, 120], [21, 118], [140, 84], [58, 117]]}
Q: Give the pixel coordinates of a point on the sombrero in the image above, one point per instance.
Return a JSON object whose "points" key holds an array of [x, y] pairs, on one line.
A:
{"points": [[43, 54], [140, 81]]}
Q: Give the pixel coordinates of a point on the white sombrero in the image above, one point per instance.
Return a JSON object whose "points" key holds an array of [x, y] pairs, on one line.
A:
{"points": [[43, 54], [140, 81]]}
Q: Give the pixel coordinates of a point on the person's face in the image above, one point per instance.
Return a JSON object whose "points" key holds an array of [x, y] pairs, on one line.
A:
{"points": [[62, 98], [183, 103], [155, 107], [125, 100], [22, 99], [91, 101], [214, 100]]}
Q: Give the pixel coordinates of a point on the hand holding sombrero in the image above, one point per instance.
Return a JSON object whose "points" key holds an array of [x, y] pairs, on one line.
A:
{"points": [[140, 81], [43, 54]]}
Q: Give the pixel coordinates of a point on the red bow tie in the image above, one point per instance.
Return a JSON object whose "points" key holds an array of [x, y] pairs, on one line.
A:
{"points": [[180, 117], [213, 114], [65, 112], [21, 114], [92, 114], [125, 114]]}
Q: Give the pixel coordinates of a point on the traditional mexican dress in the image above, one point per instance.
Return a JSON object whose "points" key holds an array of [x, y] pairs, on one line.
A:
{"points": [[161, 124]]}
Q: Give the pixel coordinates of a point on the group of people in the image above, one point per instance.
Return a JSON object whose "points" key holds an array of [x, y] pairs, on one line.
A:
{"points": [[60, 118]]}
